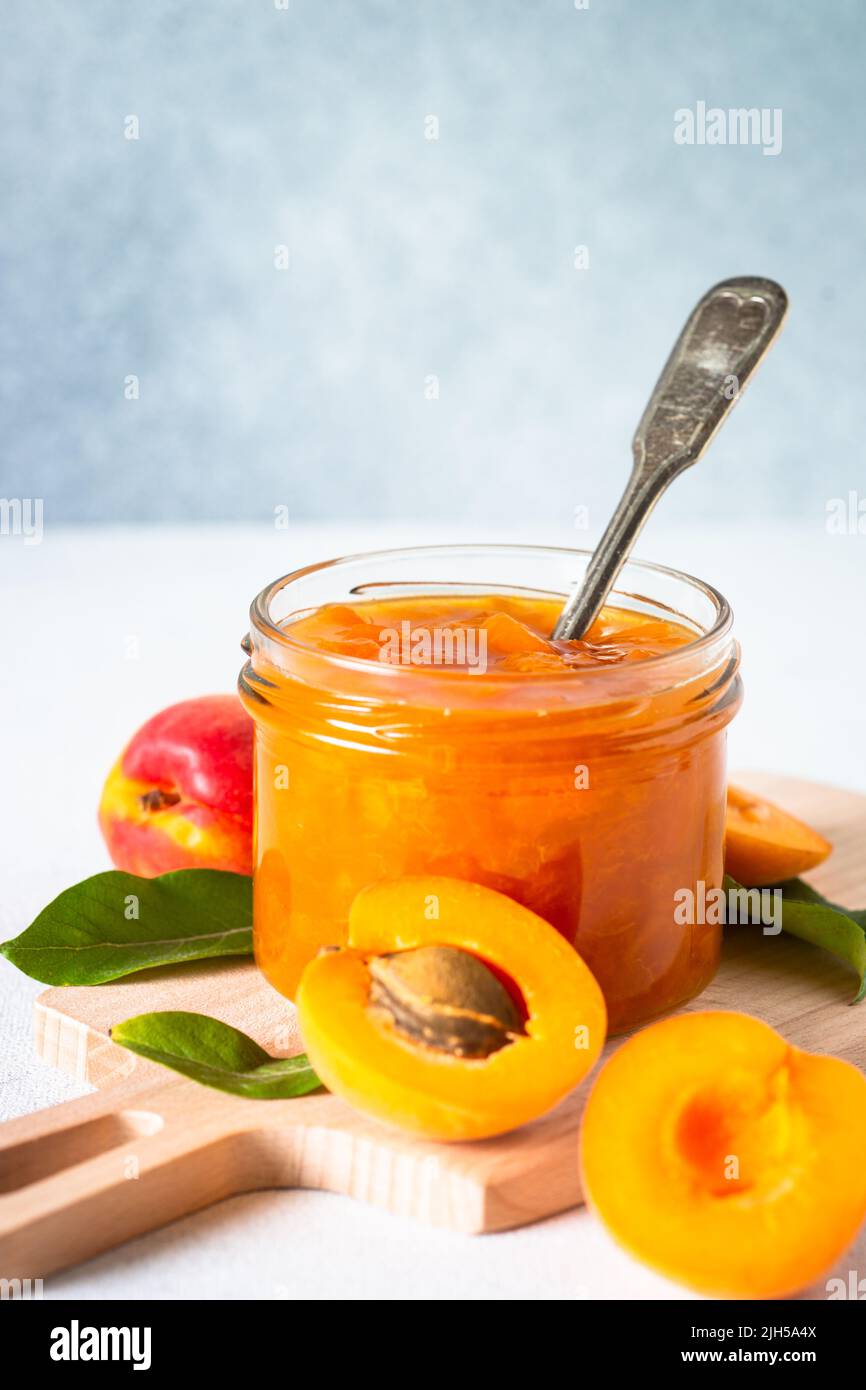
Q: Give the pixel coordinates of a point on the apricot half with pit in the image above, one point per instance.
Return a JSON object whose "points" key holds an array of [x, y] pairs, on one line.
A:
{"points": [[724, 1157], [411, 1021]]}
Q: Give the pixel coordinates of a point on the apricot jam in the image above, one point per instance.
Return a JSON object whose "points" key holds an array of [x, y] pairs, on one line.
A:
{"points": [[413, 716]]}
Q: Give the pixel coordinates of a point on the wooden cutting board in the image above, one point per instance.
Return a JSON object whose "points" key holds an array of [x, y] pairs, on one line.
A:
{"points": [[150, 1146]]}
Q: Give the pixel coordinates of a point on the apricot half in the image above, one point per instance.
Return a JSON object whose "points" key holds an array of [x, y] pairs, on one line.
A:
{"points": [[726, 1158], [363, 1054], [764, 844]]}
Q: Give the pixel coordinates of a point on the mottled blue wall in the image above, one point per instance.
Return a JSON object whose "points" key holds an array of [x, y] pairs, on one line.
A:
{"points": [[411, 257]]}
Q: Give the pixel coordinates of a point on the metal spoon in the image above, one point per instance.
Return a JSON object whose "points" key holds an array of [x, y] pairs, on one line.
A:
{"points": [[726, 336]]}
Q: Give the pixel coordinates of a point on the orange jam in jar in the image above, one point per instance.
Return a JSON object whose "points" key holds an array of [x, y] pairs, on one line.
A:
{"points": [[414, 716]]}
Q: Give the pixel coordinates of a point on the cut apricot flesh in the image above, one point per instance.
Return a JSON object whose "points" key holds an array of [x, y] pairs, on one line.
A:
{"points": [[764, 844], [725, 1158], [384, 1073]]}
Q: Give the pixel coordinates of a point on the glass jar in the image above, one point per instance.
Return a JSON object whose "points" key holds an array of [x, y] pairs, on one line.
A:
{"points": [[594, 797]]}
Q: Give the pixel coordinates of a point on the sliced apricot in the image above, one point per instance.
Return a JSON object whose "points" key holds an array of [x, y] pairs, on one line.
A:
{"points": [[764, 844], [423, 1077], [726, 1158]]}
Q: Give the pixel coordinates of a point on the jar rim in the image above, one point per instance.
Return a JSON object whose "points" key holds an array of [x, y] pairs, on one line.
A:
{"points": [[263, 623]]}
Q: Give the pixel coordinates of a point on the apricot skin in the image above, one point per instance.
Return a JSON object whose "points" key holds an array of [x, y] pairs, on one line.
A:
{"points": [[199, 755], [725, 1158], [764, 844]]}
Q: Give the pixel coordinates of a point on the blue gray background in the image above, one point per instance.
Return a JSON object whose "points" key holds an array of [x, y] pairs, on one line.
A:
{"points": [[305, 127]]}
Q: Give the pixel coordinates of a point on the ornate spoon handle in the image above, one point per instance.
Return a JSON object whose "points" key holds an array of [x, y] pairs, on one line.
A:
{"points": [[724, 339]]}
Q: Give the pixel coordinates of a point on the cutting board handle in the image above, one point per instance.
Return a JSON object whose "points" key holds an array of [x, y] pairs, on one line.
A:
{"points": [[90, 1173]]}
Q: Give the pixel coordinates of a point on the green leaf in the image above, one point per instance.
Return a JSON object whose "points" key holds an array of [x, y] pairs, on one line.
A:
{"points": [[216, 1055], [813, 918], [116, 923]]}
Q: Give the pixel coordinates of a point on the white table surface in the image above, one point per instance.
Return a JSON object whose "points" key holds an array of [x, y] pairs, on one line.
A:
{"points": [[71, 697]]}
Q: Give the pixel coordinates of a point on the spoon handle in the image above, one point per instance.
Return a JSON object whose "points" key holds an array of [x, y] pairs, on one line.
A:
{"points": [[724, 339]]}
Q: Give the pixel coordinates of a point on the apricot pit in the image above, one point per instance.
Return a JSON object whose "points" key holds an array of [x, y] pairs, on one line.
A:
{"points": [[444, 998]]}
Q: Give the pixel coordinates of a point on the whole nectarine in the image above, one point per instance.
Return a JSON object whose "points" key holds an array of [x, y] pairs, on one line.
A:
{"points": [[180, 795]]}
